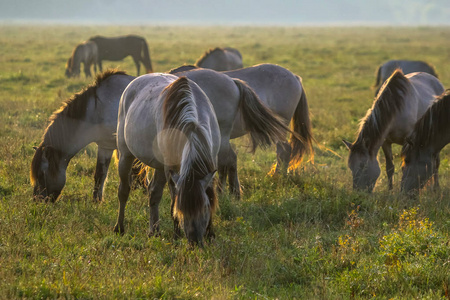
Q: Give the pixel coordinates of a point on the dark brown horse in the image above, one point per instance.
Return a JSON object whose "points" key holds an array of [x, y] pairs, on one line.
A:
{"points": [[117, 48]]}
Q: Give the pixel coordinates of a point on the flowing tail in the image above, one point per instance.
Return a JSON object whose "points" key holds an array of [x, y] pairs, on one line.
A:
{"points": [[301, 141], [145, 56], [264, 126]]}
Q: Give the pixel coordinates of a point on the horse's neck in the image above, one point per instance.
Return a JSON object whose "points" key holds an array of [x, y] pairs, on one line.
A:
{"points": [[68, 135]]}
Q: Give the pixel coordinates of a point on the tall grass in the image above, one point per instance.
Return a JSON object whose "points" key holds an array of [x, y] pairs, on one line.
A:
{"points": [[305, 235]]}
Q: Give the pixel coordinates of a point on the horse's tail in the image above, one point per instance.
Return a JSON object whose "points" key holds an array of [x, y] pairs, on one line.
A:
{"points": [[145, 56], [264, 126], [301, 141]]}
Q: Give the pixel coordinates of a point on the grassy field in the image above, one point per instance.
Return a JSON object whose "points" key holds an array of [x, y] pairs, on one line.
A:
{"points": [[306, 235]]}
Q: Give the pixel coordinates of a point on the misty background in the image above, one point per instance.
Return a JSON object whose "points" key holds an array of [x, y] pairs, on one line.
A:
{"points": [[228, 12]]}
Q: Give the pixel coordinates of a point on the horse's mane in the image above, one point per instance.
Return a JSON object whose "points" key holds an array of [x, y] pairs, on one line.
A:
{"points": [[75, 106], [433, 122], [206, 54], [180, 114], [182, 68], [390, 100]]}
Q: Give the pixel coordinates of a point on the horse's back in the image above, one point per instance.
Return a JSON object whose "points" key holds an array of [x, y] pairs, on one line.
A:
{"points": [[422, 92], [427, 88], [140, 112], [222, 93], [221, 59], [407, 66], [276, 86]]}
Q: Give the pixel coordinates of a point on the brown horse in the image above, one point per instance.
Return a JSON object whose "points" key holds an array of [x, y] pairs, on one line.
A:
{"points": [[86, 53], [221, 59], [117, 48]]}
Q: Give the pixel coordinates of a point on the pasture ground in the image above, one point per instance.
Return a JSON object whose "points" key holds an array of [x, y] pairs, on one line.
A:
{"points": [[306, 235]]}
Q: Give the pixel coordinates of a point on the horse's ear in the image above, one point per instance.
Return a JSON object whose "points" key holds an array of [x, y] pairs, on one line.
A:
{"points": [[347, 144], [206, 181]]}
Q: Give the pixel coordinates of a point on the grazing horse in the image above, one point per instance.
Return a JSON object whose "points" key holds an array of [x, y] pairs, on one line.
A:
{"points": [[169, 124], [117, 48], [420, 153], [385, 70], [229, 96], [86, 53], [281, 91], [88, 116], [221, 59], [402, 100]]}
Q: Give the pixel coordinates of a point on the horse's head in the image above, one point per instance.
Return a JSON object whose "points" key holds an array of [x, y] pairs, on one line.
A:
{"points": [[71, 70], [48, 173], [365, 167], [417, 167], [195, 203]]}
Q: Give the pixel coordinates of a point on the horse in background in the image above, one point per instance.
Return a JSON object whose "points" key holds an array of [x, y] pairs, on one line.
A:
{"points": [[117, 48], [220, 59], [402, 100], [420, 153], [88, 116], [169, 124], [86, 53], [385, 70]]}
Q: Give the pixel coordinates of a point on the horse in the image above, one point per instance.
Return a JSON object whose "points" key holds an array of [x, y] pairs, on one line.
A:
{"points": [[229, 96], [220, 59], [169, 124], [420, 152], [88, 116], [282, 92], [385, 70], [117, 48], [402, 100], [86, 53]]}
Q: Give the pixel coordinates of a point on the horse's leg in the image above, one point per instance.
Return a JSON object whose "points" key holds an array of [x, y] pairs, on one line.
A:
{"points": [[100, 66], [390, 168], [125, 164], [436, 171], [101, 170], [283, 157], [137, 63], [233, 179], [155, 191], [87, 69], [176, 222]]}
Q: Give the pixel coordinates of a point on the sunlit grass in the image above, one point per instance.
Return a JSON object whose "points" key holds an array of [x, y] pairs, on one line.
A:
{"points": [[305, 235]]}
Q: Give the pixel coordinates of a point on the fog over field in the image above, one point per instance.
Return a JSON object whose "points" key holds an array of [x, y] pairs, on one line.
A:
{"points": [[247, 12]]}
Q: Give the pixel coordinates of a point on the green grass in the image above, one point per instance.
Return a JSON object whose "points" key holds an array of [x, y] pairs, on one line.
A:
{"points": [[306, 235]]}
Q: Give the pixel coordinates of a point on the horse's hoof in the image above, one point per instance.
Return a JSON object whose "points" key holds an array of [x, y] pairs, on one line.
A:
{"points": [[118, 230]]}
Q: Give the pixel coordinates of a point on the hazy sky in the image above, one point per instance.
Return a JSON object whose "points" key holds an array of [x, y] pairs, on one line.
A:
{"points": [[260, 12]]}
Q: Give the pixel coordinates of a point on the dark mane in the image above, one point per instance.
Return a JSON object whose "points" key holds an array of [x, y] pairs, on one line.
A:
{"points": [[180, 113], [75, 107], [432, 123], [183, 68], [206, 54], [389, 102]]}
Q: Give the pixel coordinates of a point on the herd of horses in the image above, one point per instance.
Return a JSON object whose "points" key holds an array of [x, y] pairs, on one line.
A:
{"points": [[180, 123]]}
